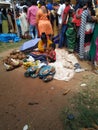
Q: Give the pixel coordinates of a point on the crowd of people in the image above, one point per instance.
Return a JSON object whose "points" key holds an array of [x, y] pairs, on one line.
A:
{"points": [[77, 25]]}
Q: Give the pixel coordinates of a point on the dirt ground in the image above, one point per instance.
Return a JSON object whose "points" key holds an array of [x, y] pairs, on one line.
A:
{"points": [[27, 101]]}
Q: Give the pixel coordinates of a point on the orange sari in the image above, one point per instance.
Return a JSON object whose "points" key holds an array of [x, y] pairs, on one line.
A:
{"points": [[43, 22]]}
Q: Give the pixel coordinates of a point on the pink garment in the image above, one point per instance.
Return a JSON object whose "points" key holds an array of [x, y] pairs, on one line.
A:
{"points": [[31, 14], [97, 49]]}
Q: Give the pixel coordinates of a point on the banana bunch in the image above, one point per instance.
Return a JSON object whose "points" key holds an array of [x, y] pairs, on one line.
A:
{"points": [[28, 64]]}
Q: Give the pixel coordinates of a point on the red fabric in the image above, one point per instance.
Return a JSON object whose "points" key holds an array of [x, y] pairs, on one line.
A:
{"points": [[87, 44], [52, 55], [88, 32], [66, 11], [76, 20]]}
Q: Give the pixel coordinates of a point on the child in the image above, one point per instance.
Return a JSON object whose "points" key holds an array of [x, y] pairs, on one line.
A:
{"points": [[51, 54], [18, 23]]}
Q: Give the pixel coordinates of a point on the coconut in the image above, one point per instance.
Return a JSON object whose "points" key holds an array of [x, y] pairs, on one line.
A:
{"points": [[11, 56], [20, 57], [5, 61], [11, 63], [14, 57], [13, 52], [20, 62], [20, 53], [17, 56], [23, 56]]}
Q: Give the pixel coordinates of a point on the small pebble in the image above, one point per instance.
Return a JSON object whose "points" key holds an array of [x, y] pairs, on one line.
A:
{"points": [[52, 88], [83, 85], [25, 127]]}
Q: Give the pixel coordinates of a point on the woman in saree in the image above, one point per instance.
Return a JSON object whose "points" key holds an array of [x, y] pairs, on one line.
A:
{"points": [[93, 53], [43, 22], [71, 32]]}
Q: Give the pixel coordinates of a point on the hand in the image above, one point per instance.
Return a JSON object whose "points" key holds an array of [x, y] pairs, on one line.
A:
{"points": [[47, 51]]}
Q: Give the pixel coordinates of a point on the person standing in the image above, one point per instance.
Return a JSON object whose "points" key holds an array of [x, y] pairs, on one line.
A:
{"points": [[43, 21], [93, 53], [24, 23], [31, 16], [4, 21], [86, 30], [64, 23], [18, 22], [10, 23], [0, 21], [71, 32], [60, 14]]}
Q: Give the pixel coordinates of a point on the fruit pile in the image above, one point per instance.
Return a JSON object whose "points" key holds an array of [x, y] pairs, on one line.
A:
{"points": [[14, 60]]}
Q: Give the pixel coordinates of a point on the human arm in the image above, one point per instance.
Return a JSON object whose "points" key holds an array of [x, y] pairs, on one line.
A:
{"points": [[59, 12]]}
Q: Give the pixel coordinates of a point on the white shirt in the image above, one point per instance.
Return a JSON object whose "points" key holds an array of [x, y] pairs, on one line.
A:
{"points": [[60, 12]]}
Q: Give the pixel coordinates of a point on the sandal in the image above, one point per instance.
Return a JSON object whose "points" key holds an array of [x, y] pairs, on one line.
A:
{"points": [[48, 78], [30, 71], [46, 70], [27, 74], [52, 71], [34, 75], [77, 66]]}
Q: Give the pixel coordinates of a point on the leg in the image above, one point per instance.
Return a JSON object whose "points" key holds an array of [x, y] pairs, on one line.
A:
{"points": [[62, 36], [36, 32], [31, 29], [0, 28]]}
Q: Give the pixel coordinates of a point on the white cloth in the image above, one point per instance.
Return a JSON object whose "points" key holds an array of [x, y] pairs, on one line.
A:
{"points": [[90, 26], [64, 65]]}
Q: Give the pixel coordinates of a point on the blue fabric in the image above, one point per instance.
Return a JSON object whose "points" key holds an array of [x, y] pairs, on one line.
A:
{"points": [[18, 22], [30, 44], [7, 37], [56, 39], [49, 6], [62, 36], [46, 68], [33, 31], [77, 6], [41, 57]]}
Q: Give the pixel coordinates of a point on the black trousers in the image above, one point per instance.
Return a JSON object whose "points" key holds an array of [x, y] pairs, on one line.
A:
{"points": [[0, 28]]}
